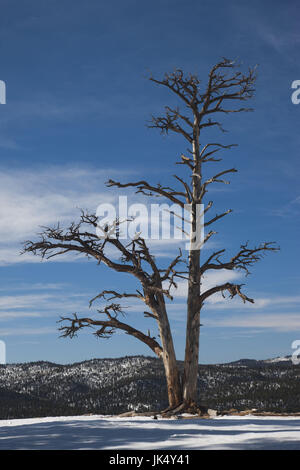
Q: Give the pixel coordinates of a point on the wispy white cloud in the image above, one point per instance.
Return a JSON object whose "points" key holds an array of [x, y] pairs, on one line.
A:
{"points": [[270, 29], [42, 197], [290, 209], [279, 42], [46, 304], [218, 302], [30, 199], [38, 286], [13, 315], [278, 322], [27, 331]]}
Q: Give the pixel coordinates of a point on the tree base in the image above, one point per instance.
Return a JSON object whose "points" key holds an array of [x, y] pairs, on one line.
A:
{"points": [[191, 408]]}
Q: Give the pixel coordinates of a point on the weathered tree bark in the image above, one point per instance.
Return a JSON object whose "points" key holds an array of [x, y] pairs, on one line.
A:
{"points": [[191, 359], [170, 363], [168, 352]]}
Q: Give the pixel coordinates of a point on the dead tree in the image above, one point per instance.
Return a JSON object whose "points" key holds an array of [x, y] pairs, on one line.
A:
{"points": [[226, 91]]}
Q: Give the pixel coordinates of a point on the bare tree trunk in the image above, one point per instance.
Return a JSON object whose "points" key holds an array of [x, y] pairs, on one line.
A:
{"points": [[193, 299], [174, 385], [172, 375], [192, 332]]}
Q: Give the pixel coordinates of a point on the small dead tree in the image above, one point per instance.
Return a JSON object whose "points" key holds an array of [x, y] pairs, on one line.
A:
{"points": [[226, 91]]}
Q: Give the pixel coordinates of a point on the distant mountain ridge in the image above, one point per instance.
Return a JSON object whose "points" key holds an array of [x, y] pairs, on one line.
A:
{"points": [[239, 361], [266, 361], [110, 386]]}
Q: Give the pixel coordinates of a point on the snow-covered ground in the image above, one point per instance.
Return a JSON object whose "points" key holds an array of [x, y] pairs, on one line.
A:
{"points": [[102, 432]]}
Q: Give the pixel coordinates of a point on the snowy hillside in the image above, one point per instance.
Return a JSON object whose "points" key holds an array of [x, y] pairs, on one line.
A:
{"points": [[99, 432], [112, 386], [279, 359]]}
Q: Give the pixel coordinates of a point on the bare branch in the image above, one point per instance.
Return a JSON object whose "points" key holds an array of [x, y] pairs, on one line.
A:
{"points": [[171, 266], [169, 123], [143, 186], [233, 289], [188, 191], [217, 217], [113, 295], [215, 179], [206, 157], [185, 87], [107, 327], [186, 161], [245, 258]]}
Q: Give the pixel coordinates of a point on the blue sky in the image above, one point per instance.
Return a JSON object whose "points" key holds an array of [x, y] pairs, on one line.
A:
{"points": [[77, 101]]}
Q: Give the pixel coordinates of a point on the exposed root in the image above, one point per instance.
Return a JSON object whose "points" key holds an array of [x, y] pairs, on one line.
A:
{"points": [[170, 409], [191, 408], [175, 411]]}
